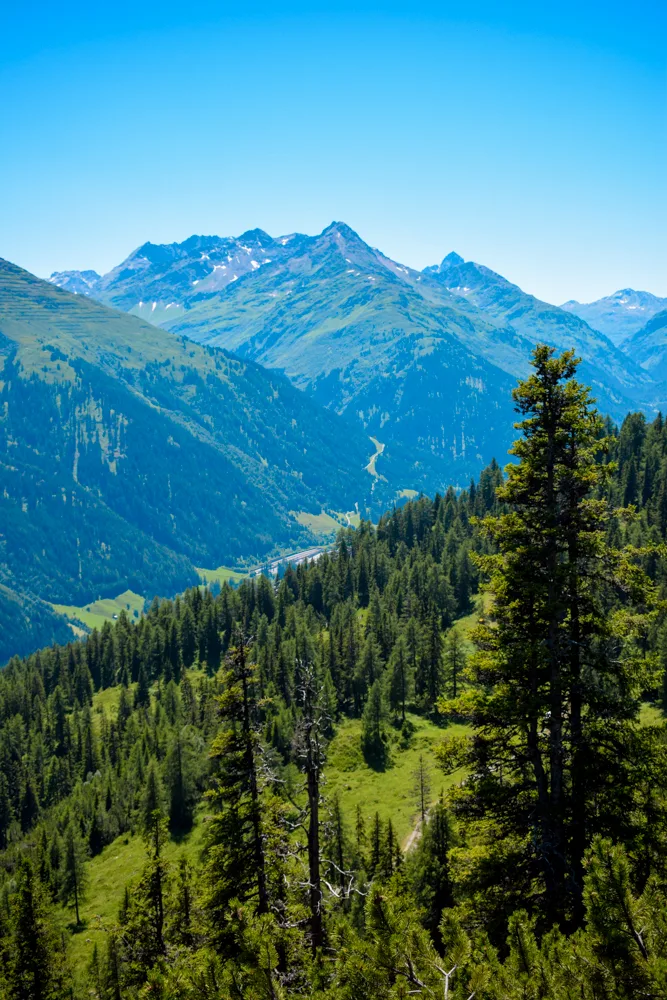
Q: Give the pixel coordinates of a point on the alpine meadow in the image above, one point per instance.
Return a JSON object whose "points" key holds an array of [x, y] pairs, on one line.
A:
{"points": [[333, 554]]}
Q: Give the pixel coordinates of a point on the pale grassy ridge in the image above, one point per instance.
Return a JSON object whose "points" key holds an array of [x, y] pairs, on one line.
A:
{"points": [[223, 574], [95, 614], [328, 522]]}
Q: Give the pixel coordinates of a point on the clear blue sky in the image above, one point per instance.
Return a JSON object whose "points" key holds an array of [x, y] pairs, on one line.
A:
{"points": [[531, 137]]}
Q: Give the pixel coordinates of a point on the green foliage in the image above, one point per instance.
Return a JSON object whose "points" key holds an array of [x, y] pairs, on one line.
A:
{"points": [[34, 968], [73, 874], [561, 662], [373, 722], [323, 873]]}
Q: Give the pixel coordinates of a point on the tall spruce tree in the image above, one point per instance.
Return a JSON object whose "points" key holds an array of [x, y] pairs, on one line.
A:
{"points": [[559, 669], [35, 969], [73, 875], [236, 863]]}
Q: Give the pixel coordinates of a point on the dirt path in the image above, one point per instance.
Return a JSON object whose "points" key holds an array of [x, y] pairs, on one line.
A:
{"points": [[379, 448], [413, 838]]}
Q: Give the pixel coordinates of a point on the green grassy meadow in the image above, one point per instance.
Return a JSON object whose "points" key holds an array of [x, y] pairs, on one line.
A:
{"points": [[390, 792], [95, 614], [223, 574], [108, 874], [328, 522]]}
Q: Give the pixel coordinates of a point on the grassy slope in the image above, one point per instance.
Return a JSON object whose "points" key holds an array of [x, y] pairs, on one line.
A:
{"points": [[221, 575], [118, 864], [392, 792], [95, 614], [108, 874], [328, 522]]}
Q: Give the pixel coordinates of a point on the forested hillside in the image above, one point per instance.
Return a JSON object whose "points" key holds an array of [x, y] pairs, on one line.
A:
{"points": [[128, 457], [190, 755]]}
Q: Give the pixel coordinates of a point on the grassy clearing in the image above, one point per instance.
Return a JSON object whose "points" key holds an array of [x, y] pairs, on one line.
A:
{"points": [[407, 494], [95, 614], [319, 524], [108, 874], [391, 792], [464, 626], [328, 522], [107, 701], [221, 575]]}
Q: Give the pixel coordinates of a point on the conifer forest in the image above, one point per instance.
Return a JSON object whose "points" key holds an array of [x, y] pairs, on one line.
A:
{"points": [[180, 764]]}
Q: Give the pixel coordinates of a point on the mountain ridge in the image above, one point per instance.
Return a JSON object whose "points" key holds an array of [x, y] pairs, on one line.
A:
{"points": [[149, 453], [348, 325], [619, 315]]}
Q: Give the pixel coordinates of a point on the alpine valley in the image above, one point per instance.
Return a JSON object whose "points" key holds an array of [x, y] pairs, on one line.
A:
{"points": [[224, 400], [430, 757], [129, 456], [423, 361]]}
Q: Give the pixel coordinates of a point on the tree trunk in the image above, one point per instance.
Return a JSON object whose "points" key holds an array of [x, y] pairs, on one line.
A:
{"points": [[314, 855], [258, 842]]}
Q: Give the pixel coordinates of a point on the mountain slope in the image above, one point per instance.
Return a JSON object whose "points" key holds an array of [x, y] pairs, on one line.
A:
{"points": [[618, 383], [425, 361], [357, 337], [620, 315], [129, 456], [648, 346]]}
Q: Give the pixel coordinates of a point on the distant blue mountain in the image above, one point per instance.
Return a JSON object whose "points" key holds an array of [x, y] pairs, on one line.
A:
{"points": [[620, 315], [423, 361]]}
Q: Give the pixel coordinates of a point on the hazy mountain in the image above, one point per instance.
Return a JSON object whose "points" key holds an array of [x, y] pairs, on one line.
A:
{"points": [[425, 361], [158, 282], [77, 282], [649, 346], [618, 383], [620, 315], [128, 456]]}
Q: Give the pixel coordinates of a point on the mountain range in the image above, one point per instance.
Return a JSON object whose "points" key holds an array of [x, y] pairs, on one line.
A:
{"points": [[204, 402], [620, 315], [424, 360]]}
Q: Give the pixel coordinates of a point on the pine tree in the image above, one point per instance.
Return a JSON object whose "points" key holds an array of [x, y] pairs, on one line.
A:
{"points": [[236, 860], [6, 812], [73, 874], [182, 930], [401, 679], [309, 745], [422, 786], [151, 811], [373, 724], [359, 830], [376, 846], [35, 971], [558, 668], [455, 660], [429, 866], [428, 682], [181, 782], [142, 695]]}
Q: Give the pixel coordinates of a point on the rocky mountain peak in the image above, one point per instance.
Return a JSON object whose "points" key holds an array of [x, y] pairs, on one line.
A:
{"points": [[452, 260]]}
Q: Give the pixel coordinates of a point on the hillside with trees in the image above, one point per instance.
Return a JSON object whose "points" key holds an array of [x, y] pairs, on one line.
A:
{"points": [[185, 760], [130, 456]]}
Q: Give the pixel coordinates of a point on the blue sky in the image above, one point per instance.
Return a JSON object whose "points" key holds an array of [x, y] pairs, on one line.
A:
{"points": [[529, 137]]}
